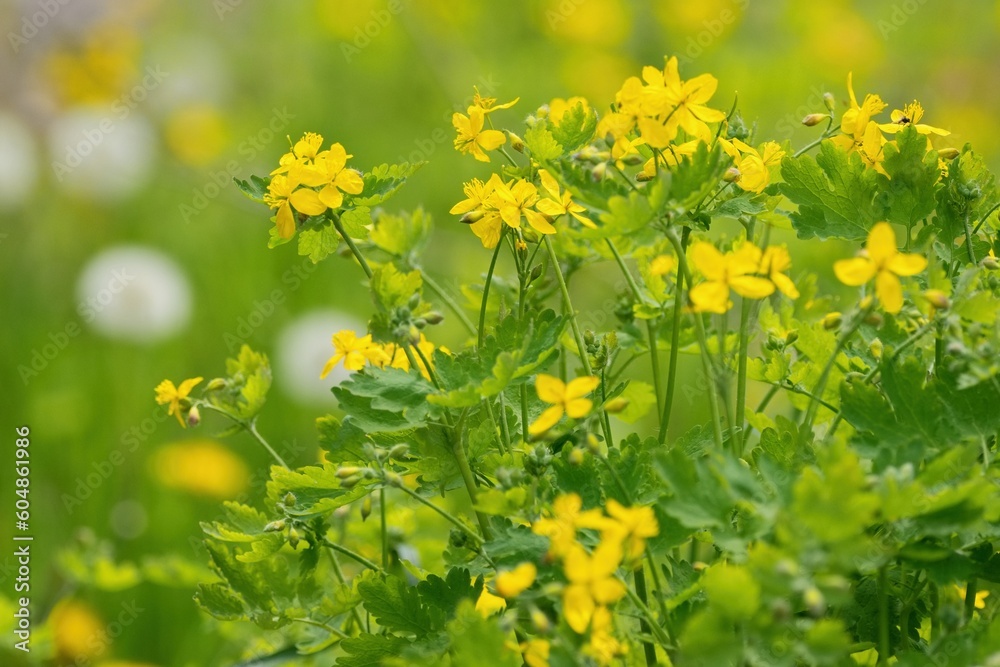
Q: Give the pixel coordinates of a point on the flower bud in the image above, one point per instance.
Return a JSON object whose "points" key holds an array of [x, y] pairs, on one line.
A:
{"points": [[990, 262], [350, 482], [642, 177], [289, 500], [576, 457], [215, 384], [948, 153], [540, 622], [814, 119], [874, 319], [876, 348], [516, 142], [414, 301], [366, 508], [732, 175], [616, 405], [472, 216], [393, 479], [434, 317], [399, 452], [937, 298], [193, 416], [832, 320], [599, 171], [829, 101], [347, 471], [536, 273], [275, 526], [293, 537], [420, 323], [814, 601], [791, 337]]}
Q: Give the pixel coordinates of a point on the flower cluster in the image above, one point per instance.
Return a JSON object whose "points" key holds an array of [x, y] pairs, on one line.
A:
{"points": [[310, 181], [747, 270], [592, 583], [355, 353], [491, 205], [862, 134]]}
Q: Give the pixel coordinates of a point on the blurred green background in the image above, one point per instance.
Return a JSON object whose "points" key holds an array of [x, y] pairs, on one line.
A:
{"points": [[121, 125]]}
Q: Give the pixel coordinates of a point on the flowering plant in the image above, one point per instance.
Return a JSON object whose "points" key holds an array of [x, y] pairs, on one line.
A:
{"points": [[839, 506]]}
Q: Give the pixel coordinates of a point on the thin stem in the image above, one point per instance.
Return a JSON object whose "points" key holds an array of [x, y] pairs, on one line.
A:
{"points": [[444, 513], [813, 407], [647, 614], [504, 426], [970, 600], [338, 573], [674, 345], [332, 630], [450, 302], [968, 238], [503, 439], [639, 577], [741, 372], [384, 529], [568, 308], [486, 296], [250, 426], [350, 244], [699, 328], [982, 220], [722, 375], [353, 555]]}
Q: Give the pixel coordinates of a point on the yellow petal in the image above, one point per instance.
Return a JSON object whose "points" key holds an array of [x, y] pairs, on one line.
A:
{"points": [[550, 388], [329, 366], [578, 608], [904, 264], [488, 230], [708, 260], [539, 222], [710, 297], [489, 604], [752, 287], [546, 420], [889, 291], [549, 182], [608, 591], [855, 271], [550, 208], [512, 583], [881, 244], [578, 408], [785, 284], [285, 221], [331, 196], [350, 182], [307, 201], [581, 386], [185, 387], [491, 139]]}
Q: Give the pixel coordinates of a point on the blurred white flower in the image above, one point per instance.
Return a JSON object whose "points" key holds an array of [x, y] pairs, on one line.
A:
{"points": [[102, 153], [18, 161], [134, 293], [303, 349]]}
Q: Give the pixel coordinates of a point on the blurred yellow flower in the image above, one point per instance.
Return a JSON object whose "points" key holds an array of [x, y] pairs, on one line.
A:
{"points": [[567, 516], [732, 271], [558, 108], [981, 596], [630, 526], [78, 631], [176, 397], [472, 138], [774, 263], [882, 261], [201, 467], [592, 583], [661, 265], [603, 646], [511, 583], [196, 134], [354, 352], [489, 604], [536, 652], [565, 398]]}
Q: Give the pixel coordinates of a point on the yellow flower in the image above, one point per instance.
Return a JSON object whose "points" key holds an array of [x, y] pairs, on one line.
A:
{"points": [[479, 209], [329, 170], [565, 399], [280, 193], [882, 261], [774, 263], [661, 265], [511, 583], [603, 646], [625, 147], [733, 271], [201, 467], [354, 352], [559, 203], [754, 166], [176, 397], [396, 357], [472, 138], [536, 652], [684, 101], [566, 518], [515, 200], [670, 157], [558, 108], [981, 596], [855, 120], [489, 104], [910, 115], [871, 147], [592, 583], [489, 604], [77, 630], [630, 526]]}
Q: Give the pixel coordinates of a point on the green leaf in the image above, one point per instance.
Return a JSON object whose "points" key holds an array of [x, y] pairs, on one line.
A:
{"points": [[255, 187], [542, 145], [370, 650], [732, 590], [834, 192], [398, 607], [383, 181], [385, 400], [249, 381], [477, 641], [317, 490], [448, 593], [393, 288], [219, 600], [696, 175], [833, 501], [625, 215], [402, 234], [356, 222], [514, 544], [319, 243], [575, 128], [641, 399], [746, 203], [906, 196]]}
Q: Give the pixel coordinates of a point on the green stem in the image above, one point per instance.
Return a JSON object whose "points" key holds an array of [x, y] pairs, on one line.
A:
{"points": [[338, 573], [982, 220], [883, 615], [647, 614], [450, 302], [486, 295], [970, 600], [722, 375], [504, 426], [639, 578], [813, 406], [503, 439], [699, 328], [574, 325], [350, 244], [444, 513], [353, 555], [968, 238], [741, 372], [250, 426], [324, 626], [523, 392], [384, 528], [674, 344]]}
